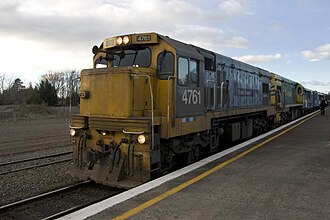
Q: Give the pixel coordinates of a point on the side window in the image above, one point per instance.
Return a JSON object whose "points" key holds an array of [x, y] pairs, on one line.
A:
{"points": [[209, 63], [183, 71], [101, 63], [265, 88], [193, 72], [165, 65]]}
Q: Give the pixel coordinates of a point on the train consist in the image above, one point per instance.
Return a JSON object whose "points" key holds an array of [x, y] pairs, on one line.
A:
{"points": [[151, 102]]}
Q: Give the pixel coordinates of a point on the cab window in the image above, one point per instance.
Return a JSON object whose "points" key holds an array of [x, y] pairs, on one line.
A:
{"points": [[101, 63], [165, 65], [183, 68], [193, 72], [138, 57], [188, 72]]}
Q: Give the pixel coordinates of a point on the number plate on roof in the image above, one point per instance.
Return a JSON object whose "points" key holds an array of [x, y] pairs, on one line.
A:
{"points": [[143, 38]]}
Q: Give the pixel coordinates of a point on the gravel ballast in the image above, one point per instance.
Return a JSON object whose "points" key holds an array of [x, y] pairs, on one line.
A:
{"points": [[33, 138]]}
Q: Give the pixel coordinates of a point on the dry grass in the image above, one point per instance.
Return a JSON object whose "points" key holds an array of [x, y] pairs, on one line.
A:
{"points": [[32, 112]]}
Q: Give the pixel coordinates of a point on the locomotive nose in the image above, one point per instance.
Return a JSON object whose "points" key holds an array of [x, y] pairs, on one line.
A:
{"points": [[115, 92]]}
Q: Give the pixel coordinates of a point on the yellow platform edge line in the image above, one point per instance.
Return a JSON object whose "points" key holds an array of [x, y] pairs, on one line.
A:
{"points": [[202, 176]]}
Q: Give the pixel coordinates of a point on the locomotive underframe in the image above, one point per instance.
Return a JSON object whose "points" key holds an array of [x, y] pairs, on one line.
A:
{"points": [[188, 148], [106, 149]]}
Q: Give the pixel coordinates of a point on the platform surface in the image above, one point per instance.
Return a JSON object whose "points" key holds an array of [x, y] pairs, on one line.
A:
{"points": [[286, 178]]}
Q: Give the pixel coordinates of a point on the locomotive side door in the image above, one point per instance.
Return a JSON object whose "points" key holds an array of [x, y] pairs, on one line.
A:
{"points": [[222, 88], [224, 77], [211, 85], [210, 90], [278, 96], [189, 98]]}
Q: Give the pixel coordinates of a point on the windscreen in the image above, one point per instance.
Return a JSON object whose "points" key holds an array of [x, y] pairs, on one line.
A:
{"points": [[139, 57]]}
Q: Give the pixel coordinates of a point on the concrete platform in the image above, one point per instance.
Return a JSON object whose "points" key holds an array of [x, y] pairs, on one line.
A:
{"points": [[283, 176]]}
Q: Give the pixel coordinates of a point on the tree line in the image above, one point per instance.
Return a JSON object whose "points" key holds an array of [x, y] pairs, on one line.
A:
{"points": [[55, 88]]}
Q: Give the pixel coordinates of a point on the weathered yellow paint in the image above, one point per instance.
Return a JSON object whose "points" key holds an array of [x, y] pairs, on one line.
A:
{"points": [[300, 93], [194, 126], [274, 82], [111, 92]]}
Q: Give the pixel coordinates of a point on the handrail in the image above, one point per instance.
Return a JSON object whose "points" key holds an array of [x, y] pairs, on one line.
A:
{"points": [[168, 103], [214, 92], [152, 108], [221, 94], [133, 132]]}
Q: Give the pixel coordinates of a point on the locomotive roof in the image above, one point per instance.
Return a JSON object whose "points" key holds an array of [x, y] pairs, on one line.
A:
{"points": [[189, 50], [186, 50]]}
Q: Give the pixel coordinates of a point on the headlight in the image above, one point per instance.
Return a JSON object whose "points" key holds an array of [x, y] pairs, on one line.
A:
{"points": [[72, 132], [126, 40], [142, 139], [119, 40]]}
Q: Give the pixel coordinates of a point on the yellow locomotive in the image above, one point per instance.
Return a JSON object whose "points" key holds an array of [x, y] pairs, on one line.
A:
{"points": [[151, 102]]}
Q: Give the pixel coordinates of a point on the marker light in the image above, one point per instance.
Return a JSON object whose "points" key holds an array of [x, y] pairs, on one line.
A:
{"points": [[72, 132], [119, 40], [141, 139], [126, 40]]}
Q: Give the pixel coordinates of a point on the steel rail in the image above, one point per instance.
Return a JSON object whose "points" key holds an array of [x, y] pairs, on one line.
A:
{"points": [[75, 208], [14, 209], [30, 148], [34, 198], [32, 138], [36, 158], [34, 166]]}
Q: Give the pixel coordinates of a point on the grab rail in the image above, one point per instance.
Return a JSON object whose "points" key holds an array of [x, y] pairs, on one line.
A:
{"points": [[214, 92], [152, 107], [168, 104]]}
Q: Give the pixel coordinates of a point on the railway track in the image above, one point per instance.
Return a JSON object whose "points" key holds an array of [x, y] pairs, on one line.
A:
{"points": [[35, 144], [5, 151], [35, 138], [59, 202], [34, 162]]}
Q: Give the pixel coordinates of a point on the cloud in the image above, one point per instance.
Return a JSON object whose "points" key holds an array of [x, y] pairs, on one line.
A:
{"points": [[231, 8], [317, 85], [276, 27], [318, 54], [209, 38], [259, 58], [65, 22], [59, 34]]}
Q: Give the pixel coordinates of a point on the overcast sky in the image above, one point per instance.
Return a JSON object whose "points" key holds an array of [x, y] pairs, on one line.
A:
{"points": [[288, 37]]}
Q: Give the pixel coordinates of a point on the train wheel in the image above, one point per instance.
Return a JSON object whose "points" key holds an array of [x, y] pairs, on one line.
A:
{"points": [[167, 159], [195, 153]]}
